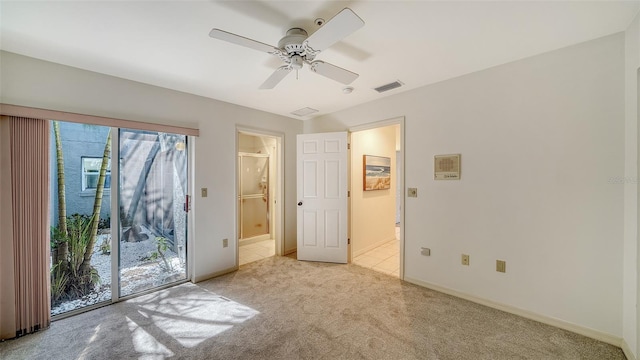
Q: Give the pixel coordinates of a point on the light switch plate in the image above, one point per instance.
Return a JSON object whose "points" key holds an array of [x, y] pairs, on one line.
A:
{"points": [[204, 192], [412, 192], [501, 266]]}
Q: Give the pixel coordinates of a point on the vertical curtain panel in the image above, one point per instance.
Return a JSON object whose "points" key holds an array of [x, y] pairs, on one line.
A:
{"points": [[28, 168]]}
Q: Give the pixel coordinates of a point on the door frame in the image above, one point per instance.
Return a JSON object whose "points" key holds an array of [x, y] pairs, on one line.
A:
{"points": [[277, 218], [400, 120]]}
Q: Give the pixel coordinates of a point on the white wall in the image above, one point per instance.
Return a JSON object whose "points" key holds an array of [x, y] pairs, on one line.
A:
{"points": [[630, 270], [256, 144], [540, 138], [35, 83], [372, 212]]}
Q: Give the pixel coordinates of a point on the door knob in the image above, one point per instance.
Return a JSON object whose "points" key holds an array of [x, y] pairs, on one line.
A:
{"points": [[300, 203]]}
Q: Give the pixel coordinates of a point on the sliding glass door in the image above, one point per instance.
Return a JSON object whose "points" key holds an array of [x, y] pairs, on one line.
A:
{"points": [[150, 243], [153, 217]]}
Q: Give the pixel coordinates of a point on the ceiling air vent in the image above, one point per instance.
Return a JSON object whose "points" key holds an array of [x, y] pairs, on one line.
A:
{"points": [[390, 86], [304, 111]]}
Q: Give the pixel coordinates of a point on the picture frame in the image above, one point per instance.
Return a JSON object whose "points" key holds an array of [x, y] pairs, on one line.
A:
{"points": [[376, 172]]}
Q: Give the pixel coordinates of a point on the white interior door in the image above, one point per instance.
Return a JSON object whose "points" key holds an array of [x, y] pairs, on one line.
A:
{"points": [[322, 197]]}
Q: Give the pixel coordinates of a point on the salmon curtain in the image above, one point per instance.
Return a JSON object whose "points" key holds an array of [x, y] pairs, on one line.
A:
{"points": [[24, 226]]}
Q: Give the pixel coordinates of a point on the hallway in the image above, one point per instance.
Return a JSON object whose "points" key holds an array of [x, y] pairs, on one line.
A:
{"points": [[384, 258]]}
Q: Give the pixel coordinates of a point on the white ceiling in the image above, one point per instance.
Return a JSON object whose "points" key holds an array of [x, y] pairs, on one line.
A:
{"points": [[166, 43]]}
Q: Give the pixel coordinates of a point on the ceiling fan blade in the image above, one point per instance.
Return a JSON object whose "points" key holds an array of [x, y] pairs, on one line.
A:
{"points": [[333, 72], [334, 30], [275, 78], [241, 40]]}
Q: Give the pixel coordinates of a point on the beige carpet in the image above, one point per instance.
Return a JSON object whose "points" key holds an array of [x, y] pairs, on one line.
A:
{"points": [[280, 308]]}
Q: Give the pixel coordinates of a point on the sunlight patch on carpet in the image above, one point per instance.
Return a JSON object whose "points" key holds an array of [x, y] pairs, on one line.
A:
{"points": [[145, 344], [190, 314]]}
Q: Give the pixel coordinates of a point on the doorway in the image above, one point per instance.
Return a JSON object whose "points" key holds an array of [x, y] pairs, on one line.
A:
{"points": [[377, 212], [258, 206]]}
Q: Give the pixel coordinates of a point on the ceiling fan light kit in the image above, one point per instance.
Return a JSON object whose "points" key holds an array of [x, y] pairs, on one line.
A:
{"points": [[296, 48]]}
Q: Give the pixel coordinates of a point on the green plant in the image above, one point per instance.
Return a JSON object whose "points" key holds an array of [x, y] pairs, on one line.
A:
{"points": [[59, 281], [105, 247], [78, 227], [162, 245], [57, 237]]}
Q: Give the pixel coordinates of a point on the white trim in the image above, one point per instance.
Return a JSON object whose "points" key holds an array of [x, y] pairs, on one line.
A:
{"points": [[582, 330], [627, 350], [85, 173], [399, 120], [197, 279], [255, 239]]}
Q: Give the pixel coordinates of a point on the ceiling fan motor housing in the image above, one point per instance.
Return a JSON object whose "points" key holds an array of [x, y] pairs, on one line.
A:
{"points": [[292, 41]]}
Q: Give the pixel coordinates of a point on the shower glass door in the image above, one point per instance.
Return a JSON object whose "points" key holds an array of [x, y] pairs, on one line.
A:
{"points": [[254, 195]]}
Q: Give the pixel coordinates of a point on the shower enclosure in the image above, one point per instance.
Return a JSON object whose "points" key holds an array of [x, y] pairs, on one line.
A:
{"points": [[253, 196]]}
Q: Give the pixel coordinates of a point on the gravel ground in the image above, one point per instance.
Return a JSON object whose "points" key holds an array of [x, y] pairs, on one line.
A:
{"points": [[138, 271]]}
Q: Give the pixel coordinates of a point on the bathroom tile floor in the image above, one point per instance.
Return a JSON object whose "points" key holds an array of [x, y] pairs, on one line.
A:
{"points": [[256, 251]]}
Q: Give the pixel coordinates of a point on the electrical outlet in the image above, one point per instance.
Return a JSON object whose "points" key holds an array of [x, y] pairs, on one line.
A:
{"points": [[412, 192], [204, 192], [501, 266], [225, 243], [425, 251], [465, 259]]}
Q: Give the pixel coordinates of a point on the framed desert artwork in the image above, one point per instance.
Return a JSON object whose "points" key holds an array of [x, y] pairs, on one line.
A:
{"points": [[376, 172]]}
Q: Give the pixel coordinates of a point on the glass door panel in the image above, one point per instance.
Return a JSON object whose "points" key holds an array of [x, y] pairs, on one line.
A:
{"points": [[254, 221], [80, 270], [153, 220], [254, 195]]}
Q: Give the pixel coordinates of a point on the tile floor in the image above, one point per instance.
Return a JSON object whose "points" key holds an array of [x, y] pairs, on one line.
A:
{"points": [[257, 251], [385, 258]]}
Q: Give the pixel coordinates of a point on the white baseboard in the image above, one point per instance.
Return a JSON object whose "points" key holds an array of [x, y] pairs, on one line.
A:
{"points": [[588, 332], [197, 279], [371, 247], [254, 239], [627, 351]]}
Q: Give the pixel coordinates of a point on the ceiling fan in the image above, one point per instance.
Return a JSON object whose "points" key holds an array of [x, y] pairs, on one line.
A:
{"points": [[296, 48]]}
